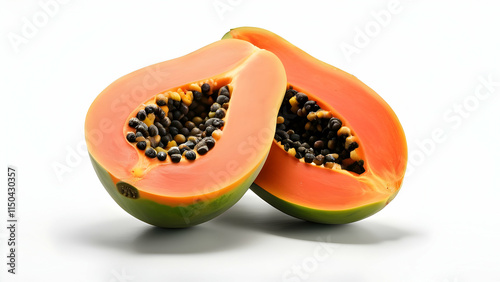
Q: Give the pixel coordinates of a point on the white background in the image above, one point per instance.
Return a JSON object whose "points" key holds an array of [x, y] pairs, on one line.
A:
{"points": [[426, 61]]}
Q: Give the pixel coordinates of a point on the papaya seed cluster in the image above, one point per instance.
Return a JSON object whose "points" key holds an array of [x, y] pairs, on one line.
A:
{"points": [[183, 123], [312, 134]]}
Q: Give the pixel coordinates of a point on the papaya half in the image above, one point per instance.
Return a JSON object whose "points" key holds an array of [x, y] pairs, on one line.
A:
{"points": [[177, 143], [339, 154]]}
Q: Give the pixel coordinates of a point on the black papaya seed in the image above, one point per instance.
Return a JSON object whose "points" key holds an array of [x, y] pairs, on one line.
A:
{"points": [[224, 91], [160, 114], [334, 124], [352, 146], [173, 151], [150, 109], [153, 130], [290, 92], [222, 99], [308, 158], [176, 158], [141, 145], [301, 98], [173, 131], [197, 95], [161, 156], [162, 131], [151, 153], [190, 155], [209, 130], [184, 109], [131, 137], [133, 122], [202, 150], [141, 115], [210, 142], [143, 129], [165, 122], [205, 88], [190, 144], [220, 113], [215, 107]]}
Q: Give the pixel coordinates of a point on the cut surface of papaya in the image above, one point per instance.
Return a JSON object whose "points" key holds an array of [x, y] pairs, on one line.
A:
{"points": [[340, 152], [177, 143]]}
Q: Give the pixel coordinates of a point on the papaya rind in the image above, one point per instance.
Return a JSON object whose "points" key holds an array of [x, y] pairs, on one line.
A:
{"points": [[227, 35], [173, 216], [317, 215]]}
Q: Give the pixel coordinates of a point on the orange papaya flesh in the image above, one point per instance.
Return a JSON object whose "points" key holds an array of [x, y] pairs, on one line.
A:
{"points": [[176, 195], [319, 193]]}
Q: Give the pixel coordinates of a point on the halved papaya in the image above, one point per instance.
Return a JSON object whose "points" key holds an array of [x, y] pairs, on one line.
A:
{"points": [[179, 142], [339, 153]]}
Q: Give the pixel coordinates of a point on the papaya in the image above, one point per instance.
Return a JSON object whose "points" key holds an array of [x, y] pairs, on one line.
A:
{"points": [[339, 154], [179, 142]]}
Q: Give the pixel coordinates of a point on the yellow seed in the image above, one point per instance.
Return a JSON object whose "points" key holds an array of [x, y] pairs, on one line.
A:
{"points": [[329, 165], [194, 87], [335, 155], [211, 114], [160, 97], [294, 109], [179, 138], [280, 120], [149, 119], [154, 140], [331, 144], [327, 114], [308, 126], [197, 120], [301, 112], [174, 96], [192, 138], [171, 144], [188, 98], [168, 94], [319, 127], [157, 138], [165, 109], [217, 134], [160, 149], [337, 166], [140, 138], [349, 140], [324, 114], [293, 101], [344, 130], [292, 152], [311, 116], [354, 155]]}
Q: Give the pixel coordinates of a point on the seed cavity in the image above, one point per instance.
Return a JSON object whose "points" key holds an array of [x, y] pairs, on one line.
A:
{"points": [[127, 190], [314, 135], [185, 122]]}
